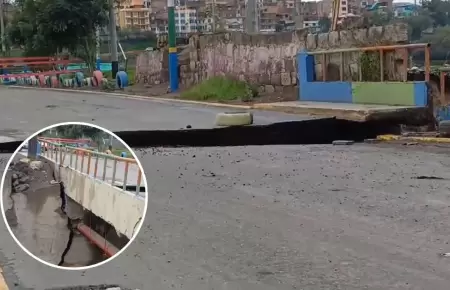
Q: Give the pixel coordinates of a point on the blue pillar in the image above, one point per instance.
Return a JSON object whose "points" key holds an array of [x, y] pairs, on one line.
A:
{"points": [[305, 70], [32, 148], [39, 149], [98, 63], [172, 41], [173, 70]]}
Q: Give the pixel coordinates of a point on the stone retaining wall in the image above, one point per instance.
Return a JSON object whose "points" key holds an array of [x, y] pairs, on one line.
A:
{"points": [[268, 60]]}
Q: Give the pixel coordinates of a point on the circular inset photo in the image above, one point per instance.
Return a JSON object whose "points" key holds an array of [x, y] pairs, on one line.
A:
{"points": [[74, 196]]}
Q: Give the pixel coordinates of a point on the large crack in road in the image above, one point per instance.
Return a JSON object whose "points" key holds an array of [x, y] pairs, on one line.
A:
{"points": [[316, 131], [42, 223]]}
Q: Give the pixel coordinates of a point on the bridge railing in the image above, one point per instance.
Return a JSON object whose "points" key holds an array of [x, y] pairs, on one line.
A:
{"points": [[114, 170], [363, 75]]}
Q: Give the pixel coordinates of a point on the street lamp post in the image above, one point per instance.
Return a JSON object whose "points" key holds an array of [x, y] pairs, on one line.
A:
{"points": [[2, 26], [173, 55], [113, 37]]}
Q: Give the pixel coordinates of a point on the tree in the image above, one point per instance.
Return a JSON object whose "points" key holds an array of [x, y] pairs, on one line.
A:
{"points": [[77, 131], [439, 11], [48, 27], [380, 18], [419, 23]]}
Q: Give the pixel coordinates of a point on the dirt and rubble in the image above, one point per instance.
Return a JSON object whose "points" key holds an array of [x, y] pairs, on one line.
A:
{"points": [[39, 215]]}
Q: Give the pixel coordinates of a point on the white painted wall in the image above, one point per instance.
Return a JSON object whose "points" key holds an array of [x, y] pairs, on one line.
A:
{"points": [[121, 209]]}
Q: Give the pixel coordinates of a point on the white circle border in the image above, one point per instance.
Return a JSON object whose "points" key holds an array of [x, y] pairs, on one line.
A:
{"points": [[138, 228]]}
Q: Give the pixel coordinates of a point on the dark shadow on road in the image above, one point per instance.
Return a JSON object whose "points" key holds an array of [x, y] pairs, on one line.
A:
{"points": [[316, 131]]}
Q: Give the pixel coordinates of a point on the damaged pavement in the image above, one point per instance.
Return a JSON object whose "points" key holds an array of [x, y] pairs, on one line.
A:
{"points": [[34, 210]]}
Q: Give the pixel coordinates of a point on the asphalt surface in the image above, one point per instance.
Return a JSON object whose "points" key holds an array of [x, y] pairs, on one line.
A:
{"points": [[24, 111], [273, 217], [278, 217]]}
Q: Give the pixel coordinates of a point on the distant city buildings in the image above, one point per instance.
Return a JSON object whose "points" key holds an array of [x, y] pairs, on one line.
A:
{"points": [[260, 16]]}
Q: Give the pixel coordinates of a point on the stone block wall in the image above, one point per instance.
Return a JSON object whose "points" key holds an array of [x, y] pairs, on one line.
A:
{"points": [[269, 60], [152, 68]]}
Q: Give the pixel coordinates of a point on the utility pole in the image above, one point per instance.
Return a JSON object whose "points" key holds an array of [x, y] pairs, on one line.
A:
{"points": [[113, 38], [213, 12], [97, 56], [298, 14], [252, 16], [172, 40], [2, 26]]}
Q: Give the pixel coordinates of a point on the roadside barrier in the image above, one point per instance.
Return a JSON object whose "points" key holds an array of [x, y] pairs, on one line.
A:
{"points": [[99, 165]]}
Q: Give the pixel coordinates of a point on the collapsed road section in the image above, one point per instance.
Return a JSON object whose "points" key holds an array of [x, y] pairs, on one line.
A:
{"points": [[48, 223], [74, 202], [33, 209], [304, 132]]}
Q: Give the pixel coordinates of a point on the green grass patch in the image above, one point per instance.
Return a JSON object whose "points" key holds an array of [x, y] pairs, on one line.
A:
{"points": [[221, 89]]}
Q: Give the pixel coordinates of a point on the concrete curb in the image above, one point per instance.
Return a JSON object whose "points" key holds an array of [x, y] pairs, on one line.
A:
{"points": [[358, 115], [353, 115], [137, 97], [413, 139]]}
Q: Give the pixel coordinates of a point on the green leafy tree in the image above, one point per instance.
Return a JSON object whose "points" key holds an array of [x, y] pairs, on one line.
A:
{"points": [[438, 10], [418, 23], [48, 27], [380, 18], [77, 131]]}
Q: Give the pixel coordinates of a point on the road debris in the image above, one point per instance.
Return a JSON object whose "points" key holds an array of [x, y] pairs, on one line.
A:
{"points": [[429, 177], [410, 143], [343, 142]]}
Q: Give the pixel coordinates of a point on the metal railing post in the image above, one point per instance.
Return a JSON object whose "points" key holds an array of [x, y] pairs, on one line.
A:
{"points": [[381, 65], [82, 161], [71, 157], [96, 166], [125, 176], [76, 159], [104, 168], [427, 63], [138, 184], [114, 172], [88, 163]]}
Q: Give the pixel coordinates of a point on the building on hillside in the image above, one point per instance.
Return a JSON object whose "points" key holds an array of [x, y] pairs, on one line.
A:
{"points": [[271, 15], [159, 22], [234, 24], [312, 9], [404, 9], [219, 12], [374, 5], [133, 14], [186, 21], [312, 24]]}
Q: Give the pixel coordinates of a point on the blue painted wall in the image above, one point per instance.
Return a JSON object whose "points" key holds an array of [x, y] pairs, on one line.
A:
{"points": [[311, 90]]}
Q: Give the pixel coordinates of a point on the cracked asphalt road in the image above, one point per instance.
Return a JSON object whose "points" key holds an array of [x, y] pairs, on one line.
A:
{"points": [[277, 217], [23, 112]]}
